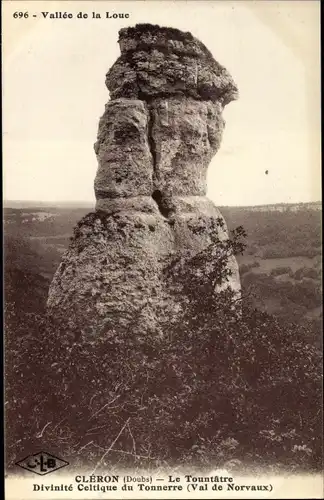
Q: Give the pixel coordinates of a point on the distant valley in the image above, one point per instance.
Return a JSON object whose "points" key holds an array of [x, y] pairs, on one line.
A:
{"points": [[280, 269]]}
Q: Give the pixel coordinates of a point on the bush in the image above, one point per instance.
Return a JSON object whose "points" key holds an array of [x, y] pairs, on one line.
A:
{"points": [[278, 271], [245, 268], [307, 272]]}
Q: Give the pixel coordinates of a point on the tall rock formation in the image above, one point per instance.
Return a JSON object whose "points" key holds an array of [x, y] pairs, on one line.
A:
{"points": [[155, 141]]}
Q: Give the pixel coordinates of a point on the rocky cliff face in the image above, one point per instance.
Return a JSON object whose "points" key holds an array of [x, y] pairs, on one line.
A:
{"points": [[156, 138]]}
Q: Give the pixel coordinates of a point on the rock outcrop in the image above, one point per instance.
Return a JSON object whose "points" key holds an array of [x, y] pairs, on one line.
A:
{"points": [[155, 141]]}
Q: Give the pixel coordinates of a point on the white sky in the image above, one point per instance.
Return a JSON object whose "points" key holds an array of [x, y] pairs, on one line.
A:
{"points": [[54, 94]]}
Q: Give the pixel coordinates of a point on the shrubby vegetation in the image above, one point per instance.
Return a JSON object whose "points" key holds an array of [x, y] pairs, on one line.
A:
{"points": [[279, 271], [225, 384], [293, 300], [307, 273]]}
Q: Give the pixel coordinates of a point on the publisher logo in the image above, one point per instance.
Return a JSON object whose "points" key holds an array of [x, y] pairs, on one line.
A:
{"points": [[42, 463]]}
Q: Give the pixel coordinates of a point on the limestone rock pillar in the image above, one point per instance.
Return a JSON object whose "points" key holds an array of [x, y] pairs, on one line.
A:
{"points": [[159, 131]]}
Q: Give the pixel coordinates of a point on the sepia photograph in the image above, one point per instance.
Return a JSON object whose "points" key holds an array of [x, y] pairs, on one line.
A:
{"points": [[162, 249]]}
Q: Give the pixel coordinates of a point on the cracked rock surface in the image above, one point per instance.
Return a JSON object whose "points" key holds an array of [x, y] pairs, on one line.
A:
{"points": [[155, 141]]}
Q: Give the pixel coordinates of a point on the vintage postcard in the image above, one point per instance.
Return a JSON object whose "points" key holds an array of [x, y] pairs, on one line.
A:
{"points": [[162, 239]]}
